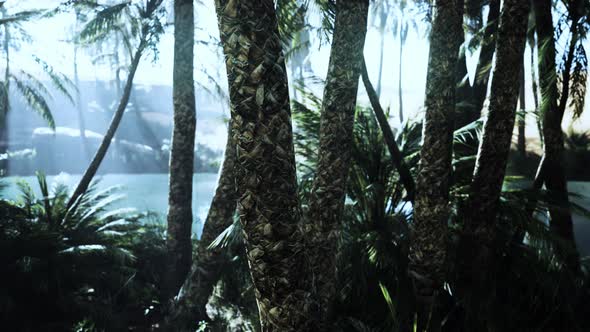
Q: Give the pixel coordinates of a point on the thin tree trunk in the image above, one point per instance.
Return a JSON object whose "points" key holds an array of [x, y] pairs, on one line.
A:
{"points": [[484, 64], [80, 108], [5, 101], [266, 181], [115, 121], [534, 82], [490, 167], [180, 213], [521, 143], [551, 170], [189, 308], [463, 93], [402, 38], [389, 138], [431, 209], [381, 49], [336, 127]]}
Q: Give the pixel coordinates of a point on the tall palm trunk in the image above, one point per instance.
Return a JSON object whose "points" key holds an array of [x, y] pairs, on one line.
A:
{"points": [[403, 32], [80, 108], [484, 64], [266, 181], [189, 309], [551, 169], [431, 212], [381, 51], [521, 140], [115, 121], [5, 100], [180, 214], [534, 78], [490, 167], [336, 126]]}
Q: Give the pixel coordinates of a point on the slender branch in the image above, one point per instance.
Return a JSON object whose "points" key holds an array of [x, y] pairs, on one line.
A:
{"points": [[396, 155]]}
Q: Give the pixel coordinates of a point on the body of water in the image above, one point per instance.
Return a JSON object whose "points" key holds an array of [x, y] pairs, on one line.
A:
{"points": [[149, 192], [145, 192]]}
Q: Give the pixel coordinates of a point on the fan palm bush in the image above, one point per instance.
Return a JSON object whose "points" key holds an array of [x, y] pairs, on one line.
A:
{"points": [[375, 293], [90, 263]]}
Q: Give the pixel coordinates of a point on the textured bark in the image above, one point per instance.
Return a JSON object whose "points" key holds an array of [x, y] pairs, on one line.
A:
{"points": [[396, 156], [494, 148], [481, 208], [521, 141], [483, 69], [106, 142], [431, 210], [189, 308], [180, 215], [336, 126], [551, 169], [265, 172]]}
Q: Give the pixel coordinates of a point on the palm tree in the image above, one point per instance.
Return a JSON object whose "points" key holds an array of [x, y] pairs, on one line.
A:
{"points": [[551, 169], [431, 211], [381, 10], [484, 195], [402, 29], [29, 87], [180, 216], [521, 139], [98, 29], [484, 64], [336, 125], [265, 171], [189, 308], [473, 97], [79, 105]]}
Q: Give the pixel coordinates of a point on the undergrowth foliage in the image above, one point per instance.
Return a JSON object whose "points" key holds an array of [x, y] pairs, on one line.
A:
{"points": [[92, 264]]}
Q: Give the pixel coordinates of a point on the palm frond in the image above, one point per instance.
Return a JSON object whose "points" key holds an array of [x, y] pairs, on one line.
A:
{"points": [[60, 81], [35, 99]]}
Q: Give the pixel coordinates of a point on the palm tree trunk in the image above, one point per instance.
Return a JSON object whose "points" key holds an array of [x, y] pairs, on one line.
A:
{"points": [[80, 108], [484, 64], [551, 169], [180, 214], [521, 142], [431, 212], [266, 181], [115, 121], [490, 167], [5, 101], [400, 69], [336, 126], [463, 93], [389, 138], [534, 82], [381, 49], [189, 308]]}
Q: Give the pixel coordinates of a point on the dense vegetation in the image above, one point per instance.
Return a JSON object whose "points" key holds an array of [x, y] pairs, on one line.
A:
{"points": [[325, 217]]}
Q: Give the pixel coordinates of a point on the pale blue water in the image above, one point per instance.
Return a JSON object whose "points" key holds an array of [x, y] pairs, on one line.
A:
{"points": [[145, 192], [149, 192]]}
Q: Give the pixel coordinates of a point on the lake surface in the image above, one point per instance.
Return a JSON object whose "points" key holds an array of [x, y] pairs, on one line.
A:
{"points": [[145, 192], [149, 192]]}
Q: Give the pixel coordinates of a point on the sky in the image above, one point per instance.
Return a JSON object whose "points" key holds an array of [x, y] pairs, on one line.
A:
{"points": [[50, 42]]}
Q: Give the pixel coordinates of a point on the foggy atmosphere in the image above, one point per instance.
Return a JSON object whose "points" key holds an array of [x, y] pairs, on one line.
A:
{"points": [[294, 165]]}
